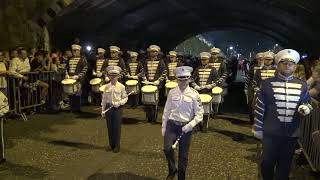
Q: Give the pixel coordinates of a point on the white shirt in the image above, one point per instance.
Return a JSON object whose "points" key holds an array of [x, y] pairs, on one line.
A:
{"points": [[3, 81], [183, 106], [19, 66], [114, 93]]}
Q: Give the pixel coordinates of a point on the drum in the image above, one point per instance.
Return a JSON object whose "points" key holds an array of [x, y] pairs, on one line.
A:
{"points": [[150, 94], [170, 85], [95, 84], [69, 86], [132, 86], [216, 95], [101, 89], [206, 101]]}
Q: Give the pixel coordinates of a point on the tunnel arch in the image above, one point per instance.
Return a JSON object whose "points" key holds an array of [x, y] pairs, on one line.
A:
{"points": [[136, 24]]}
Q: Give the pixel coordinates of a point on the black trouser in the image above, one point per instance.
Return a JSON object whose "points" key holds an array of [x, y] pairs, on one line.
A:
{"points": [[133, 100], [114, 119], [75, 102], [173, 131], [277, 156], [151, 113]]}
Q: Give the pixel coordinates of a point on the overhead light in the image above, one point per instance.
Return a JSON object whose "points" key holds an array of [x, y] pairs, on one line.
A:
{"points": [[88, 48]]}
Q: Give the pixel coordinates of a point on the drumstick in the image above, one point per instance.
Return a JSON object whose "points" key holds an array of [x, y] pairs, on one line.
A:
{"points": [[119, 100], [174, 146]]}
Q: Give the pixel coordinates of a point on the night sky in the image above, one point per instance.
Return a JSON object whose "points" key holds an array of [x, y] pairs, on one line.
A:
{"points": [[243, 41]]}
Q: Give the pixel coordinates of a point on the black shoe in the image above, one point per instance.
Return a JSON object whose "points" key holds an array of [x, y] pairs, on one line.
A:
{"points": [[171, 175], [108, 148], [2, 160], [116, 149]]}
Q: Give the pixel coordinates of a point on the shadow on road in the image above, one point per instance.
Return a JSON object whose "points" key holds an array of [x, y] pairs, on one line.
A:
{"points": [[75, 144], [118, 176]]}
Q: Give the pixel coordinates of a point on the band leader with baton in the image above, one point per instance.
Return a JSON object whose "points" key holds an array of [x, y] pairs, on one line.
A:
{"points": [[182, 112], [114, 97]]}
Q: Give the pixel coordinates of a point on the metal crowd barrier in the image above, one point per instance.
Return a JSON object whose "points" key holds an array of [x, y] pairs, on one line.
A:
{"points": [[310, 125], [25, 95]]}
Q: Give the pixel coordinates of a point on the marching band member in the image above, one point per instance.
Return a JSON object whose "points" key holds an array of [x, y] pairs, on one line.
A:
{"points": [[101, 64], [134, 72], [116, 60], [268, 70], [280, 102], [154, 73], [98, 72], [203, 81], [171, 66], [220, 66], [182, 112], [248, 89], [76, 69], [114, 97]]}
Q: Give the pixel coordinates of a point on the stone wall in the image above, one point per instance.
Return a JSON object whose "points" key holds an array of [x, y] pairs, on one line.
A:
{"points": [[18, 23]]}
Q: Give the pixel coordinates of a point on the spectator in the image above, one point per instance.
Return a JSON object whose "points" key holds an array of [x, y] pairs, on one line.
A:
{"points": [[21, 63], [3, 71], [314, 83], [31, 55], [37, 66]]}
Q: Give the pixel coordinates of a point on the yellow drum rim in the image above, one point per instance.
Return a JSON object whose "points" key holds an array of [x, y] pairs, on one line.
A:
{"points": [[149, 89], [217, 90], [171, 85], [131, 82], [95, 81], [205, 98], [68, 81]]}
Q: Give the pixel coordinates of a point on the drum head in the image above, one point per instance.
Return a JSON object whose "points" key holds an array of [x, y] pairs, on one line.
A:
{"points": [[68, 81], [171, 85], [95, 81], [205, 98], [101, 89], [149, 88], [217, 90], [131, 82]]}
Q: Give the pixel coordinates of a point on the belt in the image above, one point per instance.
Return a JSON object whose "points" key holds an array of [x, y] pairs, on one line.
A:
{"points": [[178, 123]]}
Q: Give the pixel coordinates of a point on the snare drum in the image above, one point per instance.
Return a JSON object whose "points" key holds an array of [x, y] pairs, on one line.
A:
{"points": [[206, 101], [95, 84], [150, 94], [170, 85], [101, 89], [132, 86], [216, 95], [69, 86]]}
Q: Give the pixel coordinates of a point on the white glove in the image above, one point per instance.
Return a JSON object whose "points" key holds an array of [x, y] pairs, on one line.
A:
{"points": [[258, 134], [246, 92], [304, 110], [75, 77], [187, 128], [163, 131], [134, 77], [103, 114], [256, 89], [99, 74], [197, 88], [157, 82], [67, 76], [208, 86], [116, 104], [107, 79], [94, 73]]}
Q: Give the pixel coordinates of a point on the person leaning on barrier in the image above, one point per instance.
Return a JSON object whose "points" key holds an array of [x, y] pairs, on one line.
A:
{"points": [[279, 104], [114, 97], [314, 83], [182, 112], [4, 108]]}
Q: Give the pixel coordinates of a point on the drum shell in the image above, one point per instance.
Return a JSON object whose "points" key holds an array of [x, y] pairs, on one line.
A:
{"points": [[133, 88], [167, 89], [151, 98], [207, 107], [70, 89], [95, 86]]}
